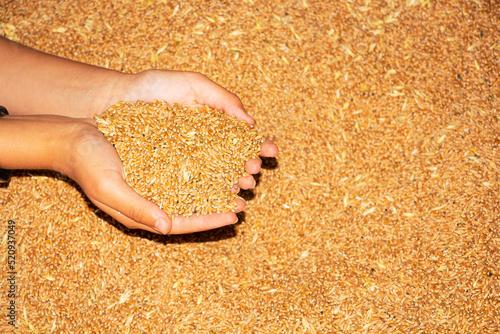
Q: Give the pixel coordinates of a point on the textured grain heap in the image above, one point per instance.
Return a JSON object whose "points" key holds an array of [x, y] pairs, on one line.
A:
{"points": [[184, 159], [381, 214]]}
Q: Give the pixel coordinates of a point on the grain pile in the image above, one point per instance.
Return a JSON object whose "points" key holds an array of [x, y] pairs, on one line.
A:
{"points": [[184, 159], [381, 214]]}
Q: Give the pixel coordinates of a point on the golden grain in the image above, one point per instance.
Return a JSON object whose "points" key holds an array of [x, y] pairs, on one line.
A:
{"points": [[386, 115], [170, 151]]}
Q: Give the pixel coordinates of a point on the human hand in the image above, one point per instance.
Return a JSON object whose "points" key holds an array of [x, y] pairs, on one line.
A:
{"points": [[96, 166], [90, 159], [75, 147], [60, 86], [194, 89], [78, 149]]}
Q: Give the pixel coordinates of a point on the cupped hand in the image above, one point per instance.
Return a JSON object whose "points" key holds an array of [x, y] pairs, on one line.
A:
{"points": [[99, 171], [93, 163], [64, 88]]}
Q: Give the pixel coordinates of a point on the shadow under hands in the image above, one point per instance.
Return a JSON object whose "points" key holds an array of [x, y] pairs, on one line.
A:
{"points": [[269, 163], [221, 233], [218, 234], [247, 194]]}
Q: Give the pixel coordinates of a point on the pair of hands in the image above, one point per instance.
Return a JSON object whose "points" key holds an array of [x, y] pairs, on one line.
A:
{"points": [[52, 101], [94, 164]]}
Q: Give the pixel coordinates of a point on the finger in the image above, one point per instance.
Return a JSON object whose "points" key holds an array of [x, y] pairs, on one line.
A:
{"points": [[129, 223], [268, 149], [214, 95], [87, 120], [246, 182], [238, 111], [117, 195], [240, 205], [194, 223], [252, 166]]}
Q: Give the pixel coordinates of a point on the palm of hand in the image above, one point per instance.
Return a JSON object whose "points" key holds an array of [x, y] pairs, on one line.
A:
{"points": [[99, 171]]}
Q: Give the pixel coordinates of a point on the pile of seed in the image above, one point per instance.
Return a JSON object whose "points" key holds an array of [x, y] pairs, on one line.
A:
{"points": [[381, 214], [185, 159]]}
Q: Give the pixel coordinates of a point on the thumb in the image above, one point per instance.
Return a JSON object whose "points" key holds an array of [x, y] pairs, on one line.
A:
{"points": [[115, 197], [214, 95]]}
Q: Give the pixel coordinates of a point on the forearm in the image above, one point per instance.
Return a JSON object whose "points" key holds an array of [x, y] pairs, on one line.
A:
{"points": [[33, 142], [33, 82]]}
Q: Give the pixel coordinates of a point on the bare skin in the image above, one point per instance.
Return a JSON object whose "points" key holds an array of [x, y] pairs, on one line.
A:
{"points": [[51, 102]]}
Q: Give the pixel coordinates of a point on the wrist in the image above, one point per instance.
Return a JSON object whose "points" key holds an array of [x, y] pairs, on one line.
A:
{"points": [[35, 142], [115, 87], [133, 87], [68, 143]]}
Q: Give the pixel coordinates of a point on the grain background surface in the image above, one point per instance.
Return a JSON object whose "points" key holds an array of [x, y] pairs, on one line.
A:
{"points": [[381, 214]]}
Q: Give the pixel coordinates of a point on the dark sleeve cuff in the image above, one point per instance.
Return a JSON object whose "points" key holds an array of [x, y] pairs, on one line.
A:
{"points": [[4, 173]]}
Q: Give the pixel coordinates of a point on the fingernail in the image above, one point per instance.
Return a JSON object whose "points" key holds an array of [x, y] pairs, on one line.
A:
{"points": [[162, 226]]}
